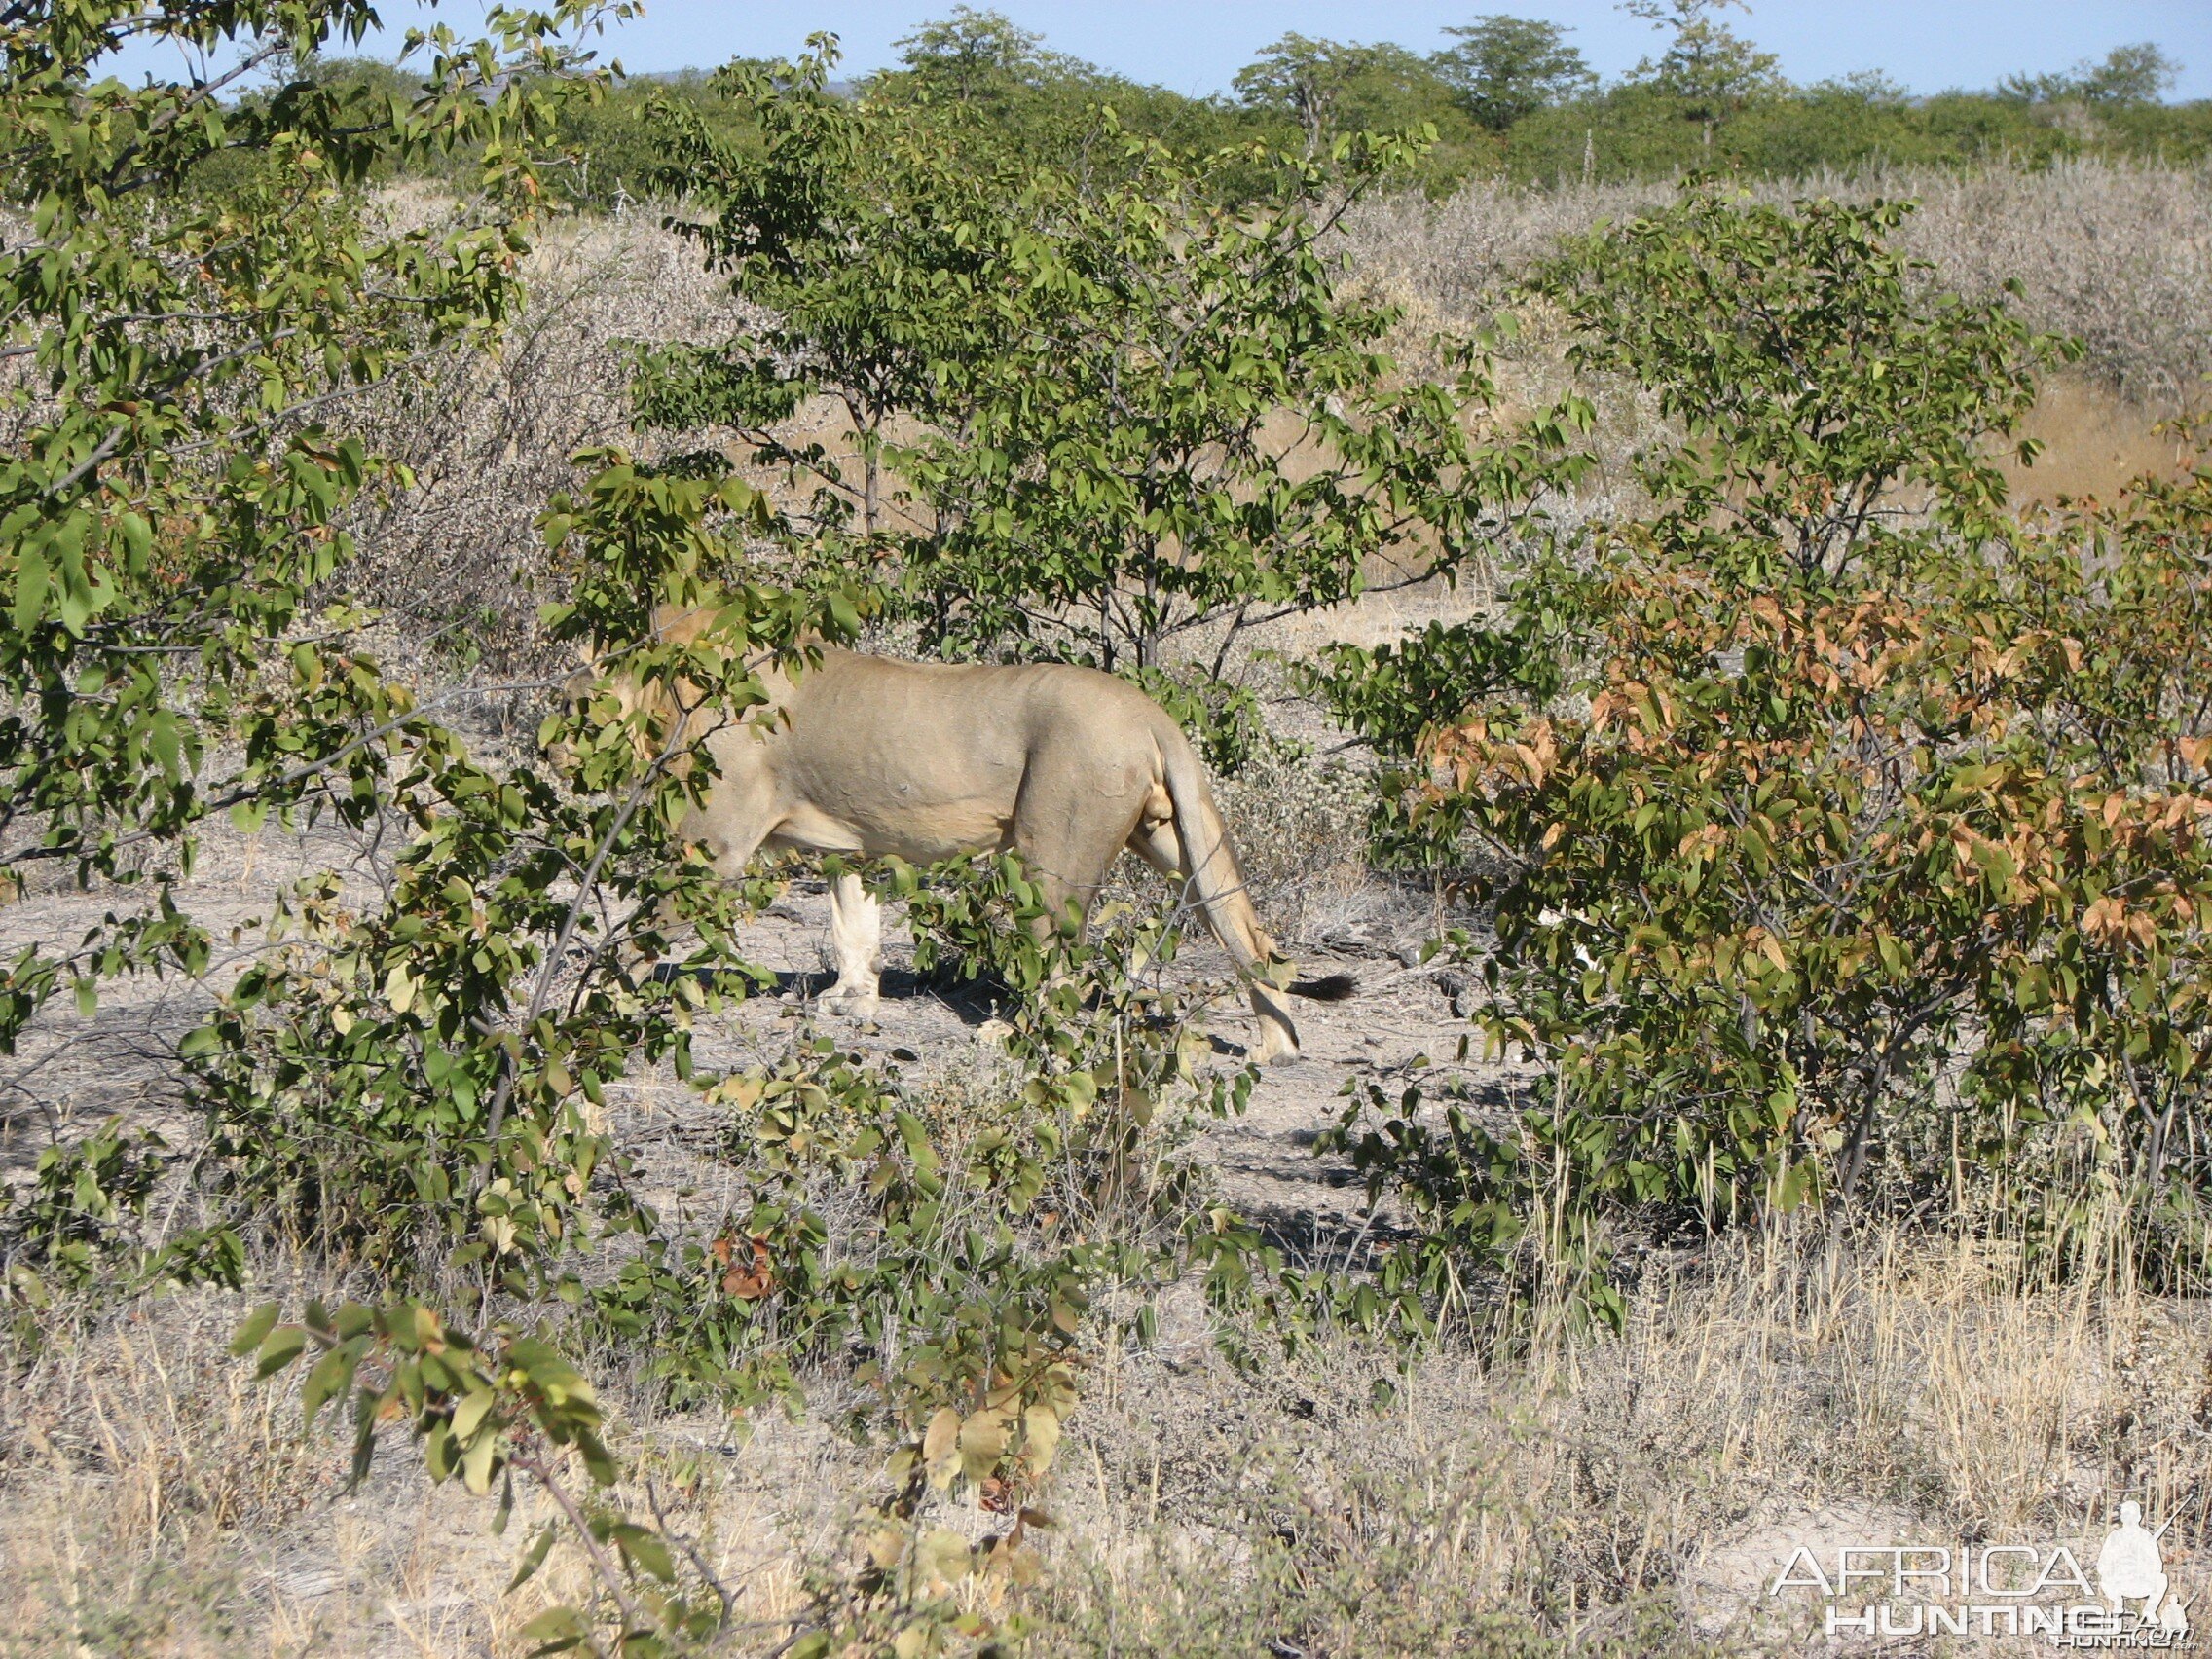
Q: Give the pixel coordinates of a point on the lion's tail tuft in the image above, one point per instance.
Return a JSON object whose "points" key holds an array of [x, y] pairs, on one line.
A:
{"points": [[1330, 987]]}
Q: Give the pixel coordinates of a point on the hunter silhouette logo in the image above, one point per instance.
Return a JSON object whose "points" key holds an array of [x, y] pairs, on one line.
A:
{"points": [[1924, 1590], [2130, 1566]]}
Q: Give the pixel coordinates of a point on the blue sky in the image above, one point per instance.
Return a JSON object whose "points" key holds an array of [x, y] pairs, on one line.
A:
{"points": [[1195, 45]]}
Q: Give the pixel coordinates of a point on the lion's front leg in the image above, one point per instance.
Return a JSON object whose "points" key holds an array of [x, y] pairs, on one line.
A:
{"points": [[856, 935]]}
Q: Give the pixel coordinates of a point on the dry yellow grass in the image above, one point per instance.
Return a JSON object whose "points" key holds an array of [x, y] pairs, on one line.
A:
{"points": [[1645, 1490], [2096, 442]]}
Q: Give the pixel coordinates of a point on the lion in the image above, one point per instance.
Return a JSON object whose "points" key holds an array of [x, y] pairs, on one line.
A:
{"points": [[1065, 766]]}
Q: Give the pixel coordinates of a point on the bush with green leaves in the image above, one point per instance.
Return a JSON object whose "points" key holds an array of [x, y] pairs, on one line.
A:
{"points": [[1186, 427], [961, 1246], [181, 641], [399, 1080], [415, 1073], [1825, 389], [1828, 811], [174, 492], [1099, 418], [859, 231]]}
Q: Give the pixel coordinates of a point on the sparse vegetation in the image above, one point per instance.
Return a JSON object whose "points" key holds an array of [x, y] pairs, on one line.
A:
{"points": [[1773, 857]]}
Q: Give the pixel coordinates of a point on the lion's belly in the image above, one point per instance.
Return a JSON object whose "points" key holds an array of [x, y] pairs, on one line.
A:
{"points": [[921, 831]]}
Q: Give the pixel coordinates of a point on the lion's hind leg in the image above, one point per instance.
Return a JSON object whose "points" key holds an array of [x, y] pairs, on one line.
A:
{"points": [[1070, 823], [1155, 841]]}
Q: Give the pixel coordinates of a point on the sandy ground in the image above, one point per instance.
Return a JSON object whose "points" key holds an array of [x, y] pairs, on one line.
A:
{"points": [[73, 1073]]}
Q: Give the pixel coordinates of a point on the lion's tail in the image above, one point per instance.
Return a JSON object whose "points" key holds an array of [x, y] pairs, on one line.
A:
{"points": [[1218, 883]]}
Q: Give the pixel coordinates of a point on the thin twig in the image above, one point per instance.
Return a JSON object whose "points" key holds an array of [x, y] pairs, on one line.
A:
{"points": [[531, 1464]]}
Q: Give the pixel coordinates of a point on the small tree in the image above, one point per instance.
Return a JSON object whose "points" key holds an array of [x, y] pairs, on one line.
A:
{"points": [[1505, 68], [1185, 428], [857, 229], [1328, 86], [2128, 75], [1709, 67], [1816, 379]]}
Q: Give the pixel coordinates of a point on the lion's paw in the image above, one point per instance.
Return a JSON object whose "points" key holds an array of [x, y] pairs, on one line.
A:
{"points": [[850, 1002]]}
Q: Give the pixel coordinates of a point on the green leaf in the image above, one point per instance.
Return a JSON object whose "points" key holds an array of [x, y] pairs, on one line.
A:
{"points": [[278, 1349], [471, 1412], [557, 1630], [330, 1374], [477, 1463], [438, 1451], [533, 1557], [31, 579], [646, 1551], [255, 1326]]}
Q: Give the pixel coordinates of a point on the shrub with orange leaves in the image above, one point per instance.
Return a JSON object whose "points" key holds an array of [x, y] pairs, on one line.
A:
{"points": [[1829, 814]]}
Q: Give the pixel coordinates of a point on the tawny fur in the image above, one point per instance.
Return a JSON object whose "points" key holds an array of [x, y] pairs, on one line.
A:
{"points": [[1063, 765]]}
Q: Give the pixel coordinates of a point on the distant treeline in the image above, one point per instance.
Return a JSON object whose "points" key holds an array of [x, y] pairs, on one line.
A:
{"points": [[1506, 96]]}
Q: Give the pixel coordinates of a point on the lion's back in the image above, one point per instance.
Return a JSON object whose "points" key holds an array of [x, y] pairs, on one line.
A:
{"points": [[991, 710]]}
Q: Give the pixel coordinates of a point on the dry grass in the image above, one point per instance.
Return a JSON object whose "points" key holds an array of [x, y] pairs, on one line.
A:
{"points": [[1762, 1397], [2096, 441], [2116, 254], [155, 1500], [489, 434], [1638, 1494]]}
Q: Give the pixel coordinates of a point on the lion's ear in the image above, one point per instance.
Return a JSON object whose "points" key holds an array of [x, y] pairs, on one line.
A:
{"points": [[584, 657]]}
